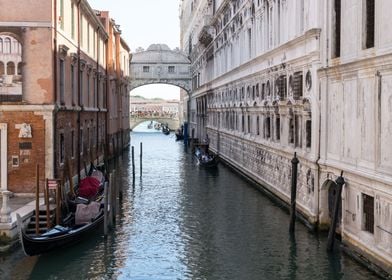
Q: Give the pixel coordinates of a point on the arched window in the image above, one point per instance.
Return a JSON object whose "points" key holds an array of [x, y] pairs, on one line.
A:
{"points": [[2, 70], [10, 68], [1, 45], [7, 45], [19, 68]]}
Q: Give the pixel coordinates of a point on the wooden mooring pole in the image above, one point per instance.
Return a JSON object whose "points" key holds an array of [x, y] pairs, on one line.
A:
{"points": [[133, 162], [338, 198], [141, 159], [37, 200], [105, 211], [294, 171]]}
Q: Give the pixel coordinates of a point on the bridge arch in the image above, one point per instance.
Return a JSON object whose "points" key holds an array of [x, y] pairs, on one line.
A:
{"points": [[172, 123], [160, 65]]}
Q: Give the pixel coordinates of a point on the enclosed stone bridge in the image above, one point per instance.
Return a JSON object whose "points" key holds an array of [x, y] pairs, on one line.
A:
{"points": [[173, 123], [160, 65]]}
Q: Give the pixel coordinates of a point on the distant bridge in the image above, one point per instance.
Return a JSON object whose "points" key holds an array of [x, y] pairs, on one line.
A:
{"points": [[173, 123]]}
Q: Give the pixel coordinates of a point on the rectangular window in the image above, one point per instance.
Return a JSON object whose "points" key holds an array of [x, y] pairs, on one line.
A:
{"points": [[291, 130], [72, 143], [171, 69], [95, 92], [249, 124], [277, 128], [268, 127], [62, 81], [368, 213], [73, 89], [62, 149], [88, 38], [258, 125], [73, 21], [369, 23], [81, 88], [88, 89], [81, 139], [81, 31], [61, 19], [297, 85], [146, 69], [308, 134], [337, 18]]}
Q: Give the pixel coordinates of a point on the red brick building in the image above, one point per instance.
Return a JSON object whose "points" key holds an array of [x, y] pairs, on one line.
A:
{"points": [[67, 96]]}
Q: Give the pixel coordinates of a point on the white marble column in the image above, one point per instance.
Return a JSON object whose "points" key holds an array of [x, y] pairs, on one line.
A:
{"points": [[3, 157]]}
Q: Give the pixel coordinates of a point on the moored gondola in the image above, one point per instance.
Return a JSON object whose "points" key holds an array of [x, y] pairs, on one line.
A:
{"points": [[205, 159], [86, 214]]}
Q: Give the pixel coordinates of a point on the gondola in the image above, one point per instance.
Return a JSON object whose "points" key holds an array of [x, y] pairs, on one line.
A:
{"points": [[179, 135], [205, 159], [165, 130], [57, 238], [72, 229]]}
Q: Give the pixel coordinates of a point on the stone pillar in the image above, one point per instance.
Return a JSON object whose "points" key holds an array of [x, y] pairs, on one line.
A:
{"points": [[3, 157], [5, 212]]}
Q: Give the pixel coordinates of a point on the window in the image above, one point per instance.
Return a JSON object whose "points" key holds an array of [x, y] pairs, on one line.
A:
{"points": [[62, 149], [243, 123], [268, 127], [308, 134], [369, 23], [297, 126], [146, 69], [337, 18], [291, 130], [297, 85], [62, 81], [368, 213], [258, 125], [72, 143], [61, 19], [88, 89], [73, 21], [88, 38], [73, 89], [81, 88], [171, 69], [249, 124], [277, 128], [81, 144]]}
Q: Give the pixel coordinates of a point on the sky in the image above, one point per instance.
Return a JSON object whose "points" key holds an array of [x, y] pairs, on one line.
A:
{"points": [[142, 23]]}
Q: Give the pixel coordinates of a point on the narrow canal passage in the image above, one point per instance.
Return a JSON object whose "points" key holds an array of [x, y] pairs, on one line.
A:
{"points": [[182, 222]]}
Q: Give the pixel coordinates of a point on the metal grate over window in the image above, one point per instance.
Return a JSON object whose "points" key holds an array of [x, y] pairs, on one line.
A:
{"points": [[368, 213]]}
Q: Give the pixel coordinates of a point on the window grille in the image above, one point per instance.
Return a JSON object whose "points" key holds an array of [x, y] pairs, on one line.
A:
{"points": [[297, 85], [171, 69], [370, 17], [277, 128], [368, 213], [308, 133], [337, 27], [146, 69]]}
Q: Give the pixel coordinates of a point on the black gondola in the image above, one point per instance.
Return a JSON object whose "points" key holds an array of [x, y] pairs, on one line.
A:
{"points": [[64, 237], [165, 130], [72, 229], [205, 159]]}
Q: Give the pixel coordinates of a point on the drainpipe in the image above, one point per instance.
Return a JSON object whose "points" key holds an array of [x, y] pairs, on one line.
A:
{"points": [[97, 95], [319, 116], [79, 101], [55, 93]]}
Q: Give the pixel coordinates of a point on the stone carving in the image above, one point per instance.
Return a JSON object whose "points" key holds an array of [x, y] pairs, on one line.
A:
{"points": [[24, 130]]}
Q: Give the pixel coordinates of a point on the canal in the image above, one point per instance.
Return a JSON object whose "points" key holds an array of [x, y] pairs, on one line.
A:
{"points": [[178, 221]]}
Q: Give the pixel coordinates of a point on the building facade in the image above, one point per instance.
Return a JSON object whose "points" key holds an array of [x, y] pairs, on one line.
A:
{"points": [[272, 78], [59, 117]]}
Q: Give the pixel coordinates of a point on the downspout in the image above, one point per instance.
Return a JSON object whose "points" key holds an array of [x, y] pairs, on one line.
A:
{"points": [[106, 98], [55, 93], [319, 116], [96, 97], [79, 94]]}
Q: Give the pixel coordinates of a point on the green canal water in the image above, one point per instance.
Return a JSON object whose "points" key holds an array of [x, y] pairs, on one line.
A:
{"points": [[179, 221]]}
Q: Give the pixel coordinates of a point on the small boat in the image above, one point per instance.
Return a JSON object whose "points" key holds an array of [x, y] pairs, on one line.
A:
{"points": [[165, 130], [149, 126], [205, 159], [82, 221], [179, 135]]}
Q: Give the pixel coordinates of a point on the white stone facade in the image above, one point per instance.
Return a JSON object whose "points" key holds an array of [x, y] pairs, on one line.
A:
{"points": [[269, 80]]}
